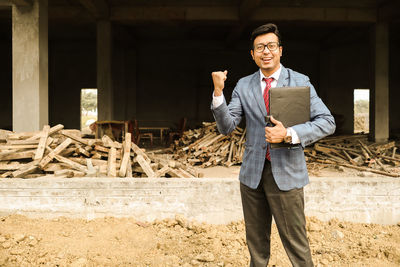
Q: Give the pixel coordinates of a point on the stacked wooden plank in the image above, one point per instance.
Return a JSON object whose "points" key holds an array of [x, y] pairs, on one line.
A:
{"points": [[64, 153], [206, 147], [354, 151]]}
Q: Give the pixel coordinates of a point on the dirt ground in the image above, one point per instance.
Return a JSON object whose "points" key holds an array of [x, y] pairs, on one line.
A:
{"points": [[177, 242]]}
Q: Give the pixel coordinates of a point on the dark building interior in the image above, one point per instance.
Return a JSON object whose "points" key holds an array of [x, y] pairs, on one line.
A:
{"points": [[163, 54]]}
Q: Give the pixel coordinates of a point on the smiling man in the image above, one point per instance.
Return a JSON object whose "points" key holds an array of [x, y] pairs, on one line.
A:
{"points": [[271, 180]]}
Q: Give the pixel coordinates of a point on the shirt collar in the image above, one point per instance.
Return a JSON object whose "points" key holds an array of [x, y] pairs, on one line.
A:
{"points": [[274, 75]]}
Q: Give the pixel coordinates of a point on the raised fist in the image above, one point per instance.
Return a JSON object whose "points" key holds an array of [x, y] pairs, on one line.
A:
{"points": [[219, 78]]}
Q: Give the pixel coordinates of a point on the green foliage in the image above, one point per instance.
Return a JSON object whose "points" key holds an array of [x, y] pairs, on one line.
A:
{"points": [[89, 101], [361, 106]]}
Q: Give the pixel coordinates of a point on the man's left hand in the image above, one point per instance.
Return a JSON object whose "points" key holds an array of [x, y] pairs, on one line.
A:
{"points": [[276, 133]]}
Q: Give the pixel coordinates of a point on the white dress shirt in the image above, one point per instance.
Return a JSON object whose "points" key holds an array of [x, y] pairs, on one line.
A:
{"points": [[218, 100]]}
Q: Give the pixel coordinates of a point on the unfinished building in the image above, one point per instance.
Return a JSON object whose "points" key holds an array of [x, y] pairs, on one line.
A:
{"points": [[152, 60]]}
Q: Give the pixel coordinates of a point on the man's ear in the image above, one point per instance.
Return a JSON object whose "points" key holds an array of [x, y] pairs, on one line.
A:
{"points": [[252, 54], [280, 50]]}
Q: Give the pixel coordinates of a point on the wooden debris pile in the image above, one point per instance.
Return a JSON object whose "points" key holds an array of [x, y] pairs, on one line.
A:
{"points": [[64, 153], [354, 151], [207, 147]]}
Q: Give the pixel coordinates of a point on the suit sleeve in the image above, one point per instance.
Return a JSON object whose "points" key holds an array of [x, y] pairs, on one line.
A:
{"points": [[321, 121], [228, 116]]}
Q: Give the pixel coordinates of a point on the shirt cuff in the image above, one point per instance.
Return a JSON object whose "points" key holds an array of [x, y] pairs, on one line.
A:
{"points": [[295, 137], [217, 100]]}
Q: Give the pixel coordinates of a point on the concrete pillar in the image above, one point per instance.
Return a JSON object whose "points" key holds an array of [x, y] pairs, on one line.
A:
{"points": [[30, 66], [104, 73], [380, 94]]}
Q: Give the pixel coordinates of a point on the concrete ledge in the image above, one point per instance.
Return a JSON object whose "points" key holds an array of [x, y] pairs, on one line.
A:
{"points": [[212, 200]]}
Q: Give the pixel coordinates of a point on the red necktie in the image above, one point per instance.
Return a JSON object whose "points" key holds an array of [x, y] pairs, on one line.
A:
{"points": [[266, 101]]}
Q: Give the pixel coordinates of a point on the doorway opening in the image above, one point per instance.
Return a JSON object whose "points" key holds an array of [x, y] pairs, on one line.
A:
{"points": [[88, 109], [361, 110]]}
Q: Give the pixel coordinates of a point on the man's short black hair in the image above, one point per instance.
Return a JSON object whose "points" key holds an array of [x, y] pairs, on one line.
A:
{"points": [[263, 29]]}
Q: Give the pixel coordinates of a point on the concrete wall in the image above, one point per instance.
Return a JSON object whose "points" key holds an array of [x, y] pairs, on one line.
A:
{"points": [[212, 200]]}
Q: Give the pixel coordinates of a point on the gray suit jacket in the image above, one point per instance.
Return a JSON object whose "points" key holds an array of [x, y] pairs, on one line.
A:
{"points": [[288, 164]]}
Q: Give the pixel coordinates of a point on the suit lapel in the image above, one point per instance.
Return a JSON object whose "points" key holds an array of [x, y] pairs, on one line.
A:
{"points": [[256, 91], [283, 80]]}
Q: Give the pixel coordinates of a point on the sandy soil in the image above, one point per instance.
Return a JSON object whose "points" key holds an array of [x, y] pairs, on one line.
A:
{"points": [[177, 242]]}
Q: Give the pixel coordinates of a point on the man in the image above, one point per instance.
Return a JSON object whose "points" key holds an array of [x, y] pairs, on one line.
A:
{"points": [[271, 180]]}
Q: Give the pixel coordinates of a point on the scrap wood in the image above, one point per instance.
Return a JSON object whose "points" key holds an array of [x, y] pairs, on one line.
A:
{"points": [[126, 156], [23, 142], [84, 151], [359, 168], [65, 153], [21, 136], [356, 152], [128, 173], [4, 134], [207, 147], [68, 173], [71, 163], [12, 155], [52, 131], [176, 164], [42, 143], [10, 167], [108, 142], [139, 151], [54, 152], [26, 169], [111, 164], [79, 139], [145, 166], [162, 171]]}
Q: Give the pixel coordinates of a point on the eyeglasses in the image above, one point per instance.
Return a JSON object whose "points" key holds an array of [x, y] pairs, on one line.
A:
{"points": [[272, 46]]}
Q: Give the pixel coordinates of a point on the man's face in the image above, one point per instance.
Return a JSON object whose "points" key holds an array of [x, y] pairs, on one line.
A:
{"points": [[268, 61]]}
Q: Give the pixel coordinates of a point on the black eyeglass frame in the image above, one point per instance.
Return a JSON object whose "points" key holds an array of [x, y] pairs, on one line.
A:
{"points": [[266, 45]]}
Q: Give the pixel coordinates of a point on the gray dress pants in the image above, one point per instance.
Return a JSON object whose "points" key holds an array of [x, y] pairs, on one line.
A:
{"points": [[287, 207]]}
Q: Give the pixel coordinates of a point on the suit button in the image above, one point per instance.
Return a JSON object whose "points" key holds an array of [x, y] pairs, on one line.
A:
{"points": [[264, 146]]}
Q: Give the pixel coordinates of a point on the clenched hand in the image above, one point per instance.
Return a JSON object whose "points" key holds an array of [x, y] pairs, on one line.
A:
{"points": [[276, 133], [219, 78]]}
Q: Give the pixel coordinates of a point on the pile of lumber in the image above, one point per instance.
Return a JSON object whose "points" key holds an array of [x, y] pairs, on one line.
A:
{"points": [[354, 151], [64, 153], [206, 147]]}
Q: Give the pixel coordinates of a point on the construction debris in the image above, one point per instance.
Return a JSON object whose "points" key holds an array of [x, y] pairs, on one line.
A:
{"points": [[356, 152], [64, 153], [207, 147]]}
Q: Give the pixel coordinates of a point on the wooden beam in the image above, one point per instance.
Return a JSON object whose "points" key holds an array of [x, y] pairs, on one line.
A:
{"points": [[165, 13], [315, 14], [231, 14], [226, 14], [97, 8], [22, 2], [5, 3]]}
